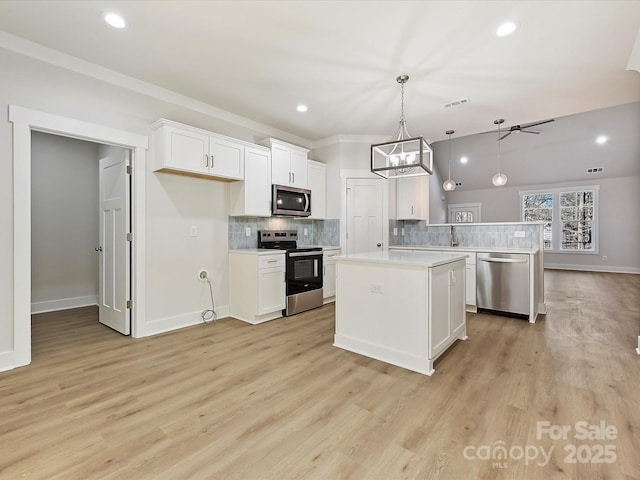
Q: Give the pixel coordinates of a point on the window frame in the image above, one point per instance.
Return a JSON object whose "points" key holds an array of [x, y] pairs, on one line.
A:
{"points": [[556, 220]]}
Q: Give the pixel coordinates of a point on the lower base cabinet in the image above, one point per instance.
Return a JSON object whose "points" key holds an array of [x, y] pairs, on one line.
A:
{"points": [[256, 286], [329, 278]]}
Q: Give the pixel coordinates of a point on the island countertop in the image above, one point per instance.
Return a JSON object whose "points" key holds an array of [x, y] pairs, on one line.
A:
{"points": [[395, 257]]}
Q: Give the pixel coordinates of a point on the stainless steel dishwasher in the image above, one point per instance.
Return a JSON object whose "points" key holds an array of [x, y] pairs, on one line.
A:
{"points": [[502, 282]]}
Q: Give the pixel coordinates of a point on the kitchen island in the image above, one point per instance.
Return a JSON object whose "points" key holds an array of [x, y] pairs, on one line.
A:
{"points": [[403, 308]]}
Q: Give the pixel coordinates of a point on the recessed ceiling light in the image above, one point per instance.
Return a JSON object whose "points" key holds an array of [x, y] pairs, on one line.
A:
{"points": [[115, 20], [506, 28], [601, 140], [302, 108], [464, 159]]}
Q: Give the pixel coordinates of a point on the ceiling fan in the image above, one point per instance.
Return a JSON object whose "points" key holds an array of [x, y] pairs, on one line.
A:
{"points": [[520, 128]]}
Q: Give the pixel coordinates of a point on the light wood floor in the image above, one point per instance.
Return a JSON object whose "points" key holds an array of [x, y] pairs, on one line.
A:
{"points": [[278, 401]]}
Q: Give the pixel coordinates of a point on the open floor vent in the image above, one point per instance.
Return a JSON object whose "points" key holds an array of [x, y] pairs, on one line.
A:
{"points": [[595, 170], [455, 103]]}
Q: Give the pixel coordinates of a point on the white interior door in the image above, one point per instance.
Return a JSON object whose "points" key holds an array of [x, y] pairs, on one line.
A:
{"points": [[464, 213], [115, 254], [365, 231]]}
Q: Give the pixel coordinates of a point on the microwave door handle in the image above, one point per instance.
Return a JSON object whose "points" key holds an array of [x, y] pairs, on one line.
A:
{"points": [[306, 202]]}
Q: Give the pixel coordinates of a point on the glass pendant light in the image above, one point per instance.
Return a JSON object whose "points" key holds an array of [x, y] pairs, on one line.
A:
{"points": [[499, 179], [449, 185]]}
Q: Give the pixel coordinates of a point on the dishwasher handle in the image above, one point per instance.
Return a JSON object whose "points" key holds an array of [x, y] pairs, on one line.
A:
{"points": [[504, 260]]}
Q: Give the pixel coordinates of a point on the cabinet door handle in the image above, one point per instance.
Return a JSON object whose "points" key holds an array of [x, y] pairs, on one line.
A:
{"points": [[212, 160], [206, 160], [293, 177]]}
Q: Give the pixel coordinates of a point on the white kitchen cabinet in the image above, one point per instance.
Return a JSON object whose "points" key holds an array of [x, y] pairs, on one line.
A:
{"points": [[252, 196], [412, 198], [447, 289], [188, 150], [329, 278], [405, 308], [256, 285], [470, 287], [317, 183], [288, 163]]}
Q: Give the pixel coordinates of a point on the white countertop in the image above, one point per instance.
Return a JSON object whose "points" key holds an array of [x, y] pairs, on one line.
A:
{"points": [[425, 248], [423, 259]]}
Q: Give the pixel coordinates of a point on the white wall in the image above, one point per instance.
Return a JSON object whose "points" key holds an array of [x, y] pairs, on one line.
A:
{"points": [[64, 222], [174, 294], [619, 227]]}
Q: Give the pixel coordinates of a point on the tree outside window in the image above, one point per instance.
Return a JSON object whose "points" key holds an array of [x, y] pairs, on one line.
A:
{"points": [[569, 216]]}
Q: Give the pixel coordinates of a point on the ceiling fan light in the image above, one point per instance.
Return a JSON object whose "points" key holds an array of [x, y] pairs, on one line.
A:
{"points": [[449, 185], [499, 179]]}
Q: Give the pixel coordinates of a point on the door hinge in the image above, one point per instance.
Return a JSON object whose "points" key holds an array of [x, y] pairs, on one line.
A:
{"points": [[129, 304], [128, 169], [129, 237]]}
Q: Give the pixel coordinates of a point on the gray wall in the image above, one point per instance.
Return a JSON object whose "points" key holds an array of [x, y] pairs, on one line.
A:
{"points": [[619, 221], [64, 222]]}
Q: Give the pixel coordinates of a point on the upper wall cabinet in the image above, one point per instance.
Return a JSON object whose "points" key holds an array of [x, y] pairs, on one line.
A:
{"points": [[317, 173], [288, 163], [183, 149], [412, 198], [252, 197]]}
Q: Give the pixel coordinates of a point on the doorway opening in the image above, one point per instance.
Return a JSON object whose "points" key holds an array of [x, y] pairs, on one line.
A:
{"points": [[80, 256], [25, 121]]}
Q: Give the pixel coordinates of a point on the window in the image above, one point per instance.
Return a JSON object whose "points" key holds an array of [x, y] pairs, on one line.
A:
{"points": [[569, 216]]}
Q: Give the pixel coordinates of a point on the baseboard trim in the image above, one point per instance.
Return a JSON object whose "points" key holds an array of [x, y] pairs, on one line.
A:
{"points": [[176, 322], [63, 304], [592, 268], [7, 361]]}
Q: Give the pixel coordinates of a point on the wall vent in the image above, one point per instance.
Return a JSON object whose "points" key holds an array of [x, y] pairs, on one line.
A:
{"points": [[595, 170], [455, 103]]}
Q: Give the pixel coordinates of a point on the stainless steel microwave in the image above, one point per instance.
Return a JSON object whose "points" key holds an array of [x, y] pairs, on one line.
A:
{"points": [[290, 201]]}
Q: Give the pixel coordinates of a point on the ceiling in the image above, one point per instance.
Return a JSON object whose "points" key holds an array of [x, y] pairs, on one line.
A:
{"points": [[260, 59]]}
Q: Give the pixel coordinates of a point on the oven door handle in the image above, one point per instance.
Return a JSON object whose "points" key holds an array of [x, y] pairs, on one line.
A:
{"points": [[305, 254]]}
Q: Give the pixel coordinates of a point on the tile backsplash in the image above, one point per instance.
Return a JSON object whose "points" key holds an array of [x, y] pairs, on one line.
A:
{"points": [[319, 232], [473, 235]]}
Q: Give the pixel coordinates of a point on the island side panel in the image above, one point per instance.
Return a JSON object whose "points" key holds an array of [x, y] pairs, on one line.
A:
{"points": [[382, 312]]}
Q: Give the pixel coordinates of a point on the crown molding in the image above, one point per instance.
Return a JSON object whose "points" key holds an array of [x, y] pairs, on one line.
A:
{"points": [[54, 57]]}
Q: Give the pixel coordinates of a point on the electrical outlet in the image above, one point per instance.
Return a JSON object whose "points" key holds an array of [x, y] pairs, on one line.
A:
{"points": [[203, 274], [518, 234], [247, 231], [376, 288], [305, 231], [395, 231], [193, 232], [604, 258], [402, 232]]}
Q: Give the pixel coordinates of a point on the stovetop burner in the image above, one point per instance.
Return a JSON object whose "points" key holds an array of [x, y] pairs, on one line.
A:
{"points": [[282, 240]]}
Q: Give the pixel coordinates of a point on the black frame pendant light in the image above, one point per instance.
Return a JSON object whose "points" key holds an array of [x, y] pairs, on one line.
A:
{"points": [[405, 156]]}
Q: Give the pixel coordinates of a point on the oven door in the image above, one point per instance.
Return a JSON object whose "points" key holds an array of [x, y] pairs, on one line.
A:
{"points": [[304, 271]]}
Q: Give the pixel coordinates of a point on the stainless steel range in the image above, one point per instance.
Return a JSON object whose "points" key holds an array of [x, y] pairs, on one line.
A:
{"points": [[303, 270]]}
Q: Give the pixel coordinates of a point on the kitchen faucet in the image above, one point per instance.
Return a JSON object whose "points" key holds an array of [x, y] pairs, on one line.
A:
{"points": [[452, 234]]}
